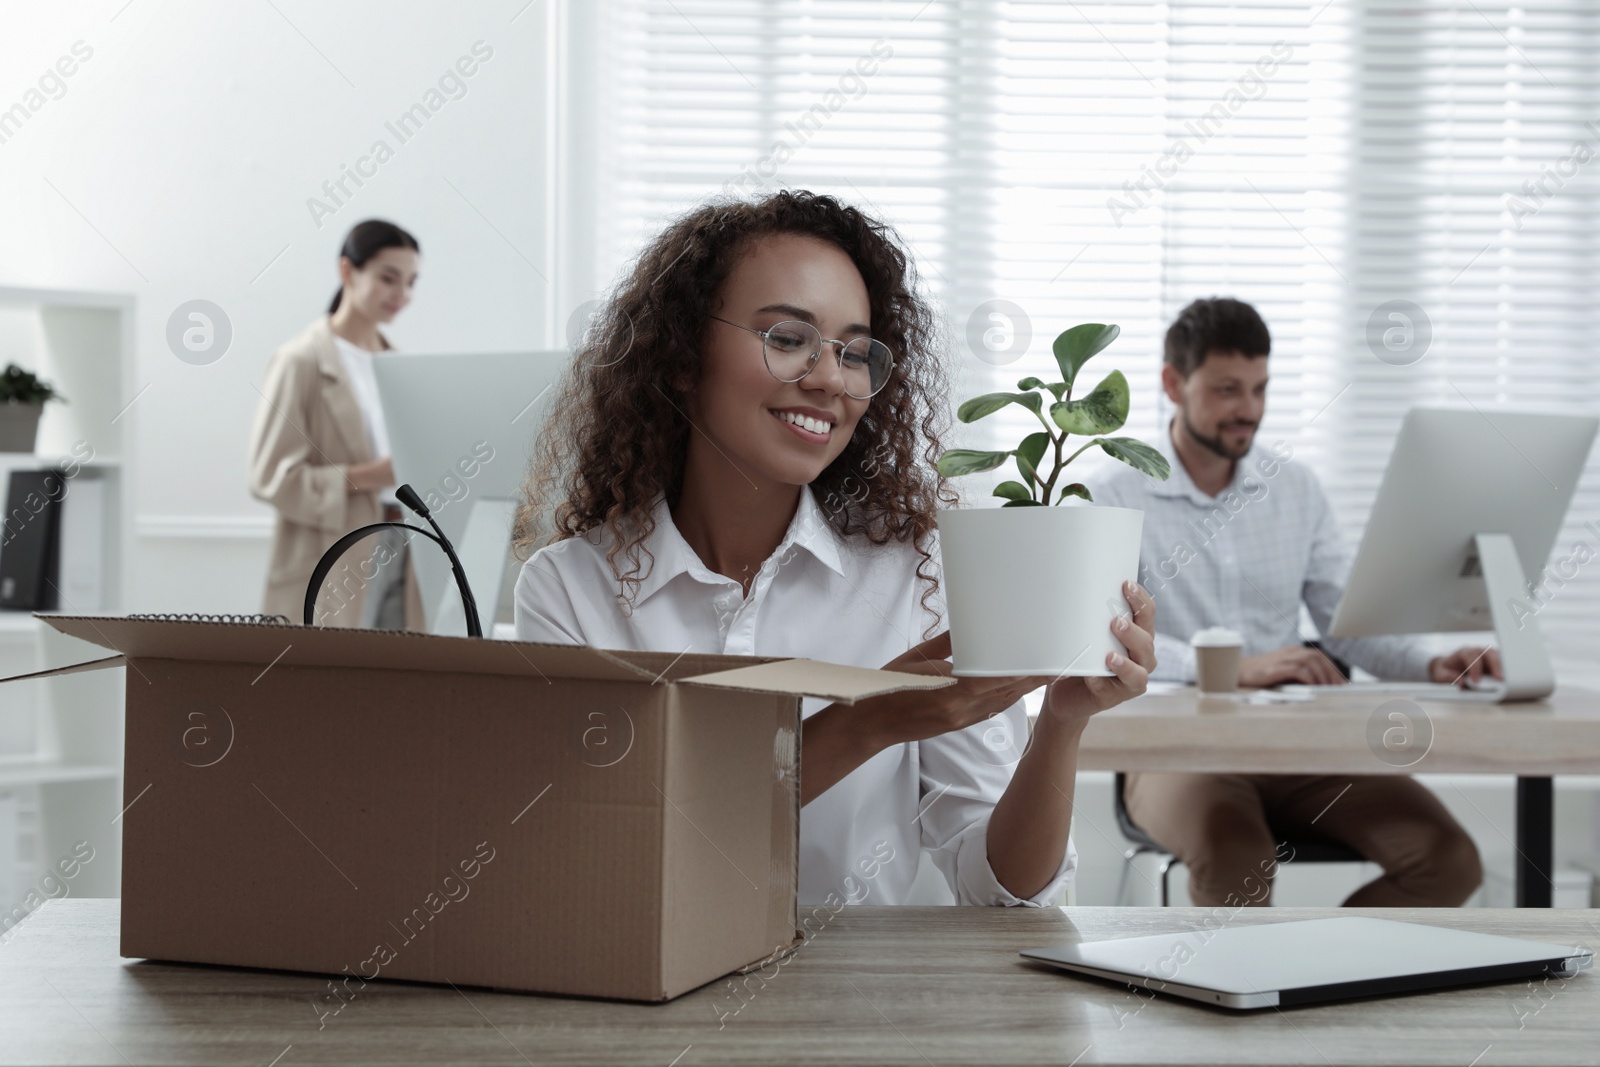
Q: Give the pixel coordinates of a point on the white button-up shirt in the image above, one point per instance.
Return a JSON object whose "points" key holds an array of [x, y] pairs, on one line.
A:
{"points": [[357, 363], [824, 597], [1246, 559]]}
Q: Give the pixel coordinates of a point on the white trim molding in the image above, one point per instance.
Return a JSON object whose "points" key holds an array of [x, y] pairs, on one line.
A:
{"points": [[205, 527]]}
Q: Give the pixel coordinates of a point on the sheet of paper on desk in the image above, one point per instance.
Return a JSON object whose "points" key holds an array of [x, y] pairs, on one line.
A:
{"points": [[1035, 700], [1244, 696], [1251, 696], [1274, 696]]}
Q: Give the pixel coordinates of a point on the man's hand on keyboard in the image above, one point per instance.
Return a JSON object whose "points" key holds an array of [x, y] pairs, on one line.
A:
{"points": [[1293, 664], [1463, 667]]}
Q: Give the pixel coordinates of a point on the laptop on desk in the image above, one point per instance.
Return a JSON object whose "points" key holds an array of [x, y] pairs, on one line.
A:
{"points": [[1311, 961]]}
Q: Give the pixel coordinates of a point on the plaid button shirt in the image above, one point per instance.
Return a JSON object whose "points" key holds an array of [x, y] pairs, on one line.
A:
{"points": [[1247, 559]]}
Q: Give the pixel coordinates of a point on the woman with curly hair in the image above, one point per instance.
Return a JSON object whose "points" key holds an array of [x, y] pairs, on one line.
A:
{"points": [[741, 461]]}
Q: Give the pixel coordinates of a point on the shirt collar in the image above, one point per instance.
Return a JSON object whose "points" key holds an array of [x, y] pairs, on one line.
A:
{"points": [[326, 345], [808, 530], [1179, 483]]}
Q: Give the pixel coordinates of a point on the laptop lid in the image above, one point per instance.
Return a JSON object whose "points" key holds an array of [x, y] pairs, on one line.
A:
{"points": [[1306, 961]]}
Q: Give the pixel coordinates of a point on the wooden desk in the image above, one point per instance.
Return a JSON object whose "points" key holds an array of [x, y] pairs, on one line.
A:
{"points": [[1343, 734], [877, 986]]}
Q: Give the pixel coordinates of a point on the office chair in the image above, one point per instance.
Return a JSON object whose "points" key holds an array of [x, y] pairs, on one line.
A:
{"points": [[1299, 849]]}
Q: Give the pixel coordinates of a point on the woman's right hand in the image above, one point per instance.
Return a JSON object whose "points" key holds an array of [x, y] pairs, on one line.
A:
{"points": [[919, 714]]}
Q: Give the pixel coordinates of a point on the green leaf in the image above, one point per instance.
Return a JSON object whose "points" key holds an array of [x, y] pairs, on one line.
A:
{"points": [[1030, 383], [959, 461], [989, 403], [1022, 504], [1075, 489], [1137, 455], [1102, 411], [1074, 347], [1013, 491], [1030, 452], [1058, 388]]}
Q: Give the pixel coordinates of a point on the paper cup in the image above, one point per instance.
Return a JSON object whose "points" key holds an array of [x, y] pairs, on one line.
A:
{"points": [[1216, 659]]}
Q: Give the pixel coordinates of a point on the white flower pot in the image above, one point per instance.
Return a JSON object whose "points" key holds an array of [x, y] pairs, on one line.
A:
{"points": [[1033, 590]]}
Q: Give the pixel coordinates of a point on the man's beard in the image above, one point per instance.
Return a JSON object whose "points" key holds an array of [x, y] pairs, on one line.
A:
{"points": [[1216, 444]]}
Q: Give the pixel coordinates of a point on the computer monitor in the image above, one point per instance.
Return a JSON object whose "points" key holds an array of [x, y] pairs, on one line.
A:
{"points": [[1468, 511], [461, 430]]}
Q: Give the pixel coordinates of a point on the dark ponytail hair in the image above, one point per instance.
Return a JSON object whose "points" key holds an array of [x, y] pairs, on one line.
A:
{"points": [[367, 239]]}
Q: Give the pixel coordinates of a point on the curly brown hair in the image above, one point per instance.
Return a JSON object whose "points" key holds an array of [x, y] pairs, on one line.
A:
{"points": [[612, 446]]}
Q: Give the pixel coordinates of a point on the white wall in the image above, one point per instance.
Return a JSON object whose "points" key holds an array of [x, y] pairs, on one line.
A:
{"points": [[176, 163]]}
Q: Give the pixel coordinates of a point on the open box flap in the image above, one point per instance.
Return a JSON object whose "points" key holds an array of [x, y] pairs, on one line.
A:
{"points": [[809, 677], [312, 646], [71, 668], [295, 645], [676, 666]]}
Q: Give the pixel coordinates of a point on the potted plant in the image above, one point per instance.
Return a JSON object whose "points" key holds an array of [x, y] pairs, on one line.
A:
{"points": [[1031, 587], [22, 399]]}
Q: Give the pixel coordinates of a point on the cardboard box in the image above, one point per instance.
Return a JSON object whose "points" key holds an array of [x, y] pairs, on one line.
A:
{"points": [[544, 818]]}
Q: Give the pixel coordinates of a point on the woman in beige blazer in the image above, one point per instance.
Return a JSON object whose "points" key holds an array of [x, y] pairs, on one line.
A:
{"points": [[315, 446]]}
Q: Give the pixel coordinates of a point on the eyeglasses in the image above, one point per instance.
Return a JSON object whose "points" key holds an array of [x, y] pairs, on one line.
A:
{"points": [[791, 349]]}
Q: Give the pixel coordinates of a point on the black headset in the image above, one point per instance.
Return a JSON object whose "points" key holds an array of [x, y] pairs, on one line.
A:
{"points": [[410, 499]]}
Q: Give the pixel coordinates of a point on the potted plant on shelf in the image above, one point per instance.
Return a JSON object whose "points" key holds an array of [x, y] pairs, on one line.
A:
{"points": [[1032, 588], [22, 399]]}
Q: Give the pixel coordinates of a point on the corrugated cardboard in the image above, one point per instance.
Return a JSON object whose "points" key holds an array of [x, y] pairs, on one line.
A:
{"points": [[545, 818]]}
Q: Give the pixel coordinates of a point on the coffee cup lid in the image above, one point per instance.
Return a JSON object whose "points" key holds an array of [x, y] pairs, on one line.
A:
{"points": [[1216, 637]]}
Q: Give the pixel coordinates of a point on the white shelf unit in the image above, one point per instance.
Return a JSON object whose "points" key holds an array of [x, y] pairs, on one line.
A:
{"points": [[61, 738]]}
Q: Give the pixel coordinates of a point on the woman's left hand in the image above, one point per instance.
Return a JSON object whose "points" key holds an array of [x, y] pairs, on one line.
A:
{"points": [[1076, 699]]}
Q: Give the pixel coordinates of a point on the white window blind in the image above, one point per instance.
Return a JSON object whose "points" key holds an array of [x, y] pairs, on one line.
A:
{"points": [[1111, 162], [1469, 198]]}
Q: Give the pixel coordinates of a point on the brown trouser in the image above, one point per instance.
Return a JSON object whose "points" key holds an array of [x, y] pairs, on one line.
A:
{"points": [[1226, 829]]}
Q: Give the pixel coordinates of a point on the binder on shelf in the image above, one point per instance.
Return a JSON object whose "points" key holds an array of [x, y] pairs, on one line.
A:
{"points": [[82, 543], [29, 533]]}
